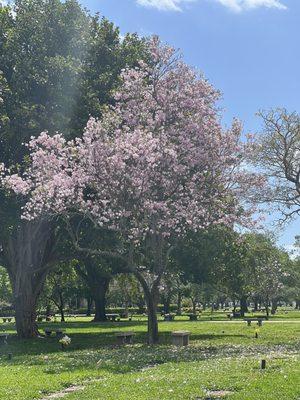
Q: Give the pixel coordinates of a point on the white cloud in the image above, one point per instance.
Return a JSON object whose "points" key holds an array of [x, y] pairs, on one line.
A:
{"points": [[234, 5], [241, 5], [163, 5]]}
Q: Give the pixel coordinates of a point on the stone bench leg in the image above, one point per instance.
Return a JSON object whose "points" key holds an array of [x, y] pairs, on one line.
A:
{"points": [[128, 339], [249, 323], [124, 339], [260, 323], [180, 340], [185, 340], [120, 340]]}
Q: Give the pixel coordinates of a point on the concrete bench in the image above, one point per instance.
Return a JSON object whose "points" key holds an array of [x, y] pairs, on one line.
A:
{"points": [[180, 338], [263, 317], [234, 315], [113, 317], [124, 337], [59, 332], [3, 338], [169, 317], [193, 317], [258, 320]]}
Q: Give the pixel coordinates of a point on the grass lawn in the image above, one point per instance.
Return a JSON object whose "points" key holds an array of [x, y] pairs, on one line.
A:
{"points": [[222, 361]]}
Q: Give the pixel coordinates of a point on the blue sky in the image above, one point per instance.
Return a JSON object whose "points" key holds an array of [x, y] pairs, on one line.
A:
{"points": [[249, 49]]}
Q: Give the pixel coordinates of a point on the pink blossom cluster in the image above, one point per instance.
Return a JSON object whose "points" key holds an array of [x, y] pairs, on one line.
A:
{"points": [[158, 162]]}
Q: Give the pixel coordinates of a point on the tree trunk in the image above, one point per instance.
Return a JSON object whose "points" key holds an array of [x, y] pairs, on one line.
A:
{"points": [[48, 311], [297, 307], [274, 306], [244, 306], [152, 321], [98, 282], [255, 305], [27, 256], [61, 307], [179, 302], [126, 312], [167, 303], [98, 291], [194, 303], [25, 309], [151, 296], [89, 306], [267, 310]]}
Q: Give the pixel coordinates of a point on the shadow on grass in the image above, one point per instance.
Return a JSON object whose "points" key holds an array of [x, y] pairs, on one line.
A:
{"points": [[94, 347], [94, 340], [92, 351]]}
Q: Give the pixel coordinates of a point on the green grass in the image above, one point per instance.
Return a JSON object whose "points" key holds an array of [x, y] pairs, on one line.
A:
{"points": [[223, 355]]}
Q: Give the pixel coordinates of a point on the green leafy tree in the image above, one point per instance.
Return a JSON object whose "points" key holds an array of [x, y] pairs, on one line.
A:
{"points": [[216, 257], [62, 282], [270, 266], [55, 61], [125, 291]]}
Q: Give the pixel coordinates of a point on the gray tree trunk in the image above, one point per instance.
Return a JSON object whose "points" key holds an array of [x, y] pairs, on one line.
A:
{"points": [[27, 255], [99, 290], [151, 296]]}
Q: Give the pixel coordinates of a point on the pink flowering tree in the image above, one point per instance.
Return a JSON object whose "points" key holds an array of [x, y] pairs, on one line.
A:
{"points": [[156, 166]]}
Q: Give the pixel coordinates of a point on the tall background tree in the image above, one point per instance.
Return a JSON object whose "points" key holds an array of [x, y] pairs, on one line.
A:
{"points": [[58, 66], [277, 154]]}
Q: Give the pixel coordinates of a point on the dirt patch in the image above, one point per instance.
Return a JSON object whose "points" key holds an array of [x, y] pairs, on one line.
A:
{"points": [[219, 393], [215, 394], [63, 393]]}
